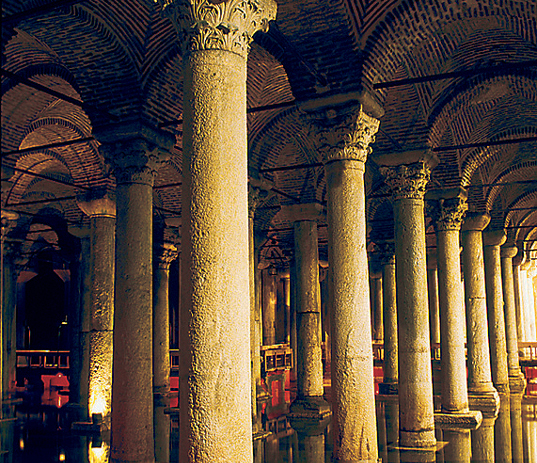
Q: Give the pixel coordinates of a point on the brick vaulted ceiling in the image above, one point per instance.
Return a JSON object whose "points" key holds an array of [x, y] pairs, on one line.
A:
{"points": [[119, 61]]}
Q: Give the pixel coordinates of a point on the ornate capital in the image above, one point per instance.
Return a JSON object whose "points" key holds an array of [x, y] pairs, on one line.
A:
{"points": [[448, 214], [134, 161], [165, 254], [407, 181], [256, 196], [344, 135], [97, 203], [218, 24], [386, 252]]}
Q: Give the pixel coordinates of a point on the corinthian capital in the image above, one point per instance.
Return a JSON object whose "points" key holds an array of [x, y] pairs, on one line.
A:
{"points": [[448, 214], [165, 254], [407, 181], [218, 24], [343, 136]]}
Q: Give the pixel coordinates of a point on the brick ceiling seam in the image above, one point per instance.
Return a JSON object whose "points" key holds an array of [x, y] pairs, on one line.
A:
{"points": [[398, 36], [512, 173]]}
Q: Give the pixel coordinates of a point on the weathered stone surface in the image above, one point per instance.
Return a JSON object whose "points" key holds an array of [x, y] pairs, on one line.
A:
{"points": [[467, 420]]}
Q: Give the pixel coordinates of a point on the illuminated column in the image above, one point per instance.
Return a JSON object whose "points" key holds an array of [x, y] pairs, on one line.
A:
{"points": [[164, 255], [482, 394], [215, 420], [257, 193], [378, 324], [135, 158], [492, 241], [389, 294], [101, 210], [408, 183], [518, 260], [269, 302], [448, 219], [517, 382], [11, 249], [432, 293], [343, 139], [309, 402]]}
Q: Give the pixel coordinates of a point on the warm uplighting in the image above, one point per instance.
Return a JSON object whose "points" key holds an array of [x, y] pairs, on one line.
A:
{"points": [[61, 456], [98, 454]]}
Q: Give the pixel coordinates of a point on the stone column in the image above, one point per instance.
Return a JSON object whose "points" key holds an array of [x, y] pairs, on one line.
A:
{"points": [[309, 402], [215, 418], [135, 158], [257, 193], [517, 382], [492, 241], [343, 139], [482, 394], [391, 349], [269, 302], [503, 450], [448, 216], [432, 292], [518, 260], [10, 249], [416, 410], [378, 324], [164, 254], [101, 210]]}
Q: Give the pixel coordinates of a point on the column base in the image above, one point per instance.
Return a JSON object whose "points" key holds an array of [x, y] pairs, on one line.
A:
{"points": [[388, 388], [487, 402], [417, 440], [309, 408], [517, 383], [468, 420]]}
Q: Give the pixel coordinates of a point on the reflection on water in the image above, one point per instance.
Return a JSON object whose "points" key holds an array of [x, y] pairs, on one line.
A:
{"points": [[38, 433]]}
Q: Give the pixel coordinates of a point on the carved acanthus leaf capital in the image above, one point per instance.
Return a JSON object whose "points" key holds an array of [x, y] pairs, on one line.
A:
{"points": [[219, 24], [134, 161], [448, 214], [344, 135], [386, 252], [256, 196], [407, 181], [165, 254]]}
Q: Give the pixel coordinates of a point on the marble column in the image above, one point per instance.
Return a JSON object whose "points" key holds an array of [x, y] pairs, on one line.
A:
{"points": [[216, 420], [309, 402], [135, 155], [378, 320], [518, 261], [448, 215], [503, 449], [482, 394], [389, 294], [492, 240], [256, 194], [269, 305], [10, 249], [164, 255], [432, 292], [343, 139], [101, 210], [517, 439], [407, 182], [517, 382]]}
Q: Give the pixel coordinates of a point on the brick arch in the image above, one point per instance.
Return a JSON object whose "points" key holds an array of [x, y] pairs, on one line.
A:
{"points": [[478, 156], [518, 171], [436, 27], [479, 93]]}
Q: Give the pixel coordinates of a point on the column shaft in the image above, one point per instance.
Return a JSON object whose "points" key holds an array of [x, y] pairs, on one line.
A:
{"points": [[482, 394], [309, 362], [132, 393], [434, 307], [102, 249], [391, 349], [496, 320], [216, 418], [353, 400], [516, 378], [415, 375], [452, 323]]}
